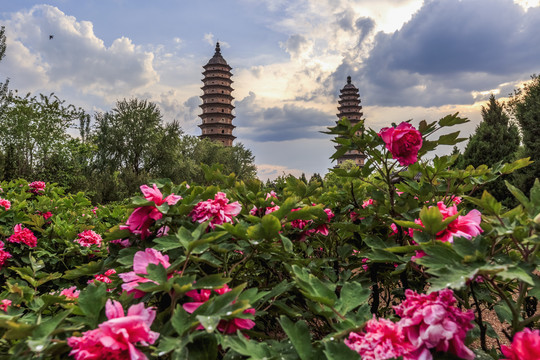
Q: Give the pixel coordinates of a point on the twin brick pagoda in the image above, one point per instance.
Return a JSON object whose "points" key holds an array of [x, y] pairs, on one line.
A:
{"points": [[349, 107], [217, 105]]}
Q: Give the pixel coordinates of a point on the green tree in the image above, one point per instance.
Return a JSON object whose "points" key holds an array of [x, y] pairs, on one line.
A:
{"points": [[525, 108], [495, 140], [132, 145], [32, 131]]}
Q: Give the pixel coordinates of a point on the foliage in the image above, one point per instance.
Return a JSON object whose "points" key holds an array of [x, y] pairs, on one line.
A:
{"points": [[525, 108], [32, 132], [283, 273], [495, 140]]}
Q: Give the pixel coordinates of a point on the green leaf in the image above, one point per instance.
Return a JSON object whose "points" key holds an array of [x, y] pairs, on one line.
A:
{"points": [[450, 120], [157, 273], [214, 281], [167, 243], [353, 294], [518, 164], [299, 336], [450, 139], [92, 268], [180, 320], [408, 224], [519, 195], [255, 350], [91, 301], [515, 272], [209, 322], [271, 226], [313, 288], [48, 326], [287, 244], [432, 219], [339, 351]]}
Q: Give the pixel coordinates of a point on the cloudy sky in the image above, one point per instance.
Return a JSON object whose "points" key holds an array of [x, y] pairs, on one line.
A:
{"points": [[411, 59]]}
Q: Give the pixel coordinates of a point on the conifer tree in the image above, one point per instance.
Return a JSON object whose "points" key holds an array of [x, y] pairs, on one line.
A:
{"points": [[525, 107], [496, 139]]}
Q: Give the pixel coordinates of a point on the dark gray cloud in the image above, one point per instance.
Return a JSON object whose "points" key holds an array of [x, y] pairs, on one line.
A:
{"points": [[290, 122], [447, 50]]}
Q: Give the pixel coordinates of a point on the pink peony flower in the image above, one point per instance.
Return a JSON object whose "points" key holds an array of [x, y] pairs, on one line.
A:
{"points": [[434, 322], [382, 339], [225, 326], [104, 278], [116, 338], [394, 229], [417, 255], [5, 203], [88, 238], [124, 243], [403, 142], [299, 223], [143, 217], [4, 255], [323, 228], [218, 210], [23, 235], [45, 215], [258, 212], [467, 226], [141, 260], [271, 194], [94, 210], [70, 293], [4, 304], [367, 203], [525, 346], [37, 187]]}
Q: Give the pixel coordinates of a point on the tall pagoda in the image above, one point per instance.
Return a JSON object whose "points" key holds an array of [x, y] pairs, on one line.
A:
{"points": [[217, 105], [349, 107]]}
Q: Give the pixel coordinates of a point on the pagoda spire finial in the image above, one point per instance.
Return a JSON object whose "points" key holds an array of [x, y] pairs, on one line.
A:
{"points": [[348, 79], [218, 50]]}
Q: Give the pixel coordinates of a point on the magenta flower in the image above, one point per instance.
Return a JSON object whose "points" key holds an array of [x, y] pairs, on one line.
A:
{"points": [[382, 339], [525, 346], [367, 203], [225, 326], [403, 142], [23, 235], [116, 338], [37, 187], [70, 293], [143, 217], [5, 203], [218, 210], [417, 255], [141, 260], [434, 322], [467, 226], [4, 255], [104, 278], [88, 238], [323, 228], [299, 223], [46, 215], [271, 194], [4, 304]]}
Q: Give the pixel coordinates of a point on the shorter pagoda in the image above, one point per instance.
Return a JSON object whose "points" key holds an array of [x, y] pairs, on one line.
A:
{"points": [[217, 105], [349, 107]]}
